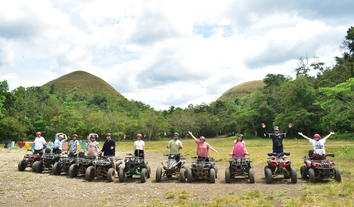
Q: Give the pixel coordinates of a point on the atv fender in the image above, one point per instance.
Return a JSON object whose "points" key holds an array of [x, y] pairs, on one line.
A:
{"points": [[308, 163]]}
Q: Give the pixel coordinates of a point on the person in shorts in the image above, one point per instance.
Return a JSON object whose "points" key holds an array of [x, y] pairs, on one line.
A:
{"points": [[58, 143], [74, 145], [109, 149], [39, 144], [93, 147], [139, 147]]}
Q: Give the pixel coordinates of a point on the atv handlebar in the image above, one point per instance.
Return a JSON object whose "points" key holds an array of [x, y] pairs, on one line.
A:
{"points": [[330, 155], [241, 155], [279, 154]]}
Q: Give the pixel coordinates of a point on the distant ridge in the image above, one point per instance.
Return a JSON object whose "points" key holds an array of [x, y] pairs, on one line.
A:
{"points": [[84, 82], [241, 90]]}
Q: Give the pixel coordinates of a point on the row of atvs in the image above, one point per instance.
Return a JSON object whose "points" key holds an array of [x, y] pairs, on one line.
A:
{"points": [[316, 167]]}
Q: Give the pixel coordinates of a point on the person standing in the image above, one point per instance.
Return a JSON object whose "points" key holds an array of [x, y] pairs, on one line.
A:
{"points": [[74, 145], [203, 147], [175, 146], [277, 138], [109, 150], [93, 146], [139, 147]]}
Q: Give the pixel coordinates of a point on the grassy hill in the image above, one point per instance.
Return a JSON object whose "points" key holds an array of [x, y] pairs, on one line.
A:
{"points": [[241, 90], [84, 82]]}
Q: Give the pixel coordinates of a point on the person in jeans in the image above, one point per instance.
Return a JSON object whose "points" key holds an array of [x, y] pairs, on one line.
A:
{"points": [[109, 150], [203, 147], [139, 147], [175, 146]]}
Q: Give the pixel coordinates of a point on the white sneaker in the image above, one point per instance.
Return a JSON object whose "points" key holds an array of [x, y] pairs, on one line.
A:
{"points": [[116, 173]]}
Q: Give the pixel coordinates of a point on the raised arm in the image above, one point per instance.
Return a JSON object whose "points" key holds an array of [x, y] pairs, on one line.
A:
{"points": [[213, 149], [190, 133], [290, 125], [301, 134], [66, 137], [328, 136], [57, 134], [264, 129]]}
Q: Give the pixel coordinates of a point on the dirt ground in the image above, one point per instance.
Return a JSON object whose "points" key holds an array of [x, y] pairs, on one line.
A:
{"points": [[33, 189]]}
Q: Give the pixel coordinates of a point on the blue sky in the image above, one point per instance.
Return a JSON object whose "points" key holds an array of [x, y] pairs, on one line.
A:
{"points": [[167, 53]]}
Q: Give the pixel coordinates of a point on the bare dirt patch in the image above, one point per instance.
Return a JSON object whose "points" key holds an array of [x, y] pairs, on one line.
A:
{"points": [[33, 189]]}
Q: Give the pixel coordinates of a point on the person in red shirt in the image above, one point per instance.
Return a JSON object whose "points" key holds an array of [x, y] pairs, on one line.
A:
{"points": [[203, 147]]}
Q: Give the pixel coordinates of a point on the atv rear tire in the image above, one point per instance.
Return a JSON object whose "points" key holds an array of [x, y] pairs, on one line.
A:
{"points": [[73, 170], [293, 175], [265, 167], [212, 175], [312, 177], [216, 171], [251, 175], [158, 174], [338, 175], [90, 173], [56, 169], [148, 171], [227, 175], [22, 165], [121, 174], [111, 174], [182, 175], [143, 175], [303, 172], [269, 176], [39, 166], [189, 175], [34, 168]]}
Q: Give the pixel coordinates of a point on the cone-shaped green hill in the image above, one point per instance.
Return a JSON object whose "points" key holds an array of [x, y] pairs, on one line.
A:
{"points": [[242, 90]]}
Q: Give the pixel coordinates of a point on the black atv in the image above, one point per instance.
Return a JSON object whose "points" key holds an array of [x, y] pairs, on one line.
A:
{"points": [[64, 163], [47, 162], [318, 167], [134, 165], [102, 167], [28, 161], [82, 163], [239, 166], [279, 166], [202, 168], [173, 166]]}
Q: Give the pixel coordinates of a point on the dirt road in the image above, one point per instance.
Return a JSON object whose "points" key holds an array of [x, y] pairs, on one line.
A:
{"points": [[33, 189]]}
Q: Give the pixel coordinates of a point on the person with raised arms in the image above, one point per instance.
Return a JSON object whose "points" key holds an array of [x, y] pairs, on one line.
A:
{"points": [[58, 143], [318, 143], [277, 138], [203, 147], [93, 146], [239, 147], [139, 147], [74, 145]]}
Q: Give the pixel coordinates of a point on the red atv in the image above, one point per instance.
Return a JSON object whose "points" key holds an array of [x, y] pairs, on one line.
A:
{"points": [[318, 167], [28, 160], [279, 166]]}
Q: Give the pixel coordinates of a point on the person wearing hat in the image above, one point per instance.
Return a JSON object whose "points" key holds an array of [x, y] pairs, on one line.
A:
{"points": [[277, 138], [203, 147], [239, 148], [109, 150], [39, 144], [74, 145], [58, 143], [318, 143], [139, 147], [93, 147], [175, 146]]}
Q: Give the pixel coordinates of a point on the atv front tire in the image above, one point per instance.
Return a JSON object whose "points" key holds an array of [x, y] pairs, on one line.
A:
{"points": [[269, 176], [56, 169], [90, 173], [22, 165], [251, 175], [158, 174], [73, 170], [111, 174], [121, 174], [212, 175], [39, 166], [227, 175], [338, 175], [143, 175], [303, 172], [312, 177], [182, 177], [189, 175], [293, 175]]}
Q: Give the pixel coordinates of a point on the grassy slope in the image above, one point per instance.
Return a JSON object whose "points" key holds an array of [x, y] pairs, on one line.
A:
{"points": [[241, 90], [84, 82]]}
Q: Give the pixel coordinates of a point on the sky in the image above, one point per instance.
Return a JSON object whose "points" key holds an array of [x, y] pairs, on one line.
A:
{"points": [[166, 53]]}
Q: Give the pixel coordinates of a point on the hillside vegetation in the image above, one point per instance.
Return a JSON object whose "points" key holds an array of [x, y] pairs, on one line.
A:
{"points": [[242, 90]]}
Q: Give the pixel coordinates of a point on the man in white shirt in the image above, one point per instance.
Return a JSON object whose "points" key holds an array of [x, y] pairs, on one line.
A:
{"points": [[139, 147], [318, 145]]}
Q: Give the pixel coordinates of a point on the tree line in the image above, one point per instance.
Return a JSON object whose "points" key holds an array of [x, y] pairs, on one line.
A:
{"points": [[314, 104]]}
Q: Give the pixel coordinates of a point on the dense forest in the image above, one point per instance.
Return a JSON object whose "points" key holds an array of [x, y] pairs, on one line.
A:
{"points": [[314, 104]]}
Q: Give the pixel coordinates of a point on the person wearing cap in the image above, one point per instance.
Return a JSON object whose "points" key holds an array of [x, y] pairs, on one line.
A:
{"points": [[93, 147], [139, 147], [58, 143], [74, 145], [175, 146], [318, 143], [277, 138], [39, 142], [239, 148], [202, 147], [109, 149]]}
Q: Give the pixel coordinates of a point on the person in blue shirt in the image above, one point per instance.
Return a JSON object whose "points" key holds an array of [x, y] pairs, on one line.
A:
{"points": [[74, 145], [58, 144]]}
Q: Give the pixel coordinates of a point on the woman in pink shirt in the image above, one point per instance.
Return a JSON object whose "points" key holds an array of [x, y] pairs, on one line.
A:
{"points": [[239, 148], [203, 147]]}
